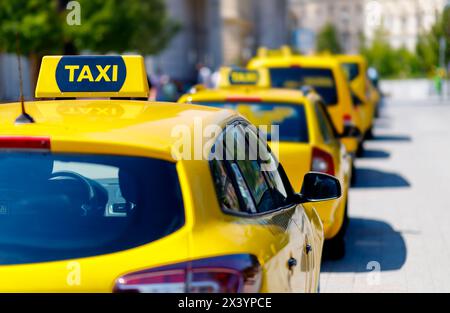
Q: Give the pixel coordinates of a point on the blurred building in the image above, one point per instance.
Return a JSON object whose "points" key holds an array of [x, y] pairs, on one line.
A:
{"points": [[9, 78], [216, 32], [403, 20], [345, 15]]}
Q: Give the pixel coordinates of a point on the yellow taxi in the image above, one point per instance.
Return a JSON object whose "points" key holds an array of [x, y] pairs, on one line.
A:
{"points": [[325, 74], [301, 133], [108, 194], [365, 96]]}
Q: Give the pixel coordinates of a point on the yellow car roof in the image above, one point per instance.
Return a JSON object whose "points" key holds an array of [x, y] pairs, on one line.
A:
{"points": [[122, 127], [236, 94], [289, 60], [351, 58]]}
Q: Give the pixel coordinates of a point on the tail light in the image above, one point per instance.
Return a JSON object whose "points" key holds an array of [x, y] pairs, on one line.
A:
{"points": [[322, 162], [225, 274], [21, 142], [348, 120]]}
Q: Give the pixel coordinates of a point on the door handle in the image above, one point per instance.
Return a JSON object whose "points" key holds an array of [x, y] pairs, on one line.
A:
{"points": [[308, 248], [292, 262]]}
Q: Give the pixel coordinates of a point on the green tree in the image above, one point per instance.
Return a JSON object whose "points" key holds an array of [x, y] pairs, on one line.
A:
{"points": [[116, 25], [427, 48], [106, 26], [390, 62], [327, 40]]}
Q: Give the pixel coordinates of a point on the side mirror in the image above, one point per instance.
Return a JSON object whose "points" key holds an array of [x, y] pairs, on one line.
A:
{"points": [[319, 187], [350, 131]]}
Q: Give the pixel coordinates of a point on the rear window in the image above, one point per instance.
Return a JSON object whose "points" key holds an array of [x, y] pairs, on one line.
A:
{"points": [[295, 77], [351, 70], [56, 207], [290, 118]]}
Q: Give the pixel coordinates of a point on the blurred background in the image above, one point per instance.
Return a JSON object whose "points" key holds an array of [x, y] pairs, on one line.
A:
{"points": [[185, 41]]}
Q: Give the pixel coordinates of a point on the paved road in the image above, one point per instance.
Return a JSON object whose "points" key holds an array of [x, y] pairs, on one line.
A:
{"points": [[400, 207]]}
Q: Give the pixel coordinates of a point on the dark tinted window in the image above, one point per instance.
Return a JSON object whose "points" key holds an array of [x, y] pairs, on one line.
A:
{"points": [[325, 127], [266, 187], [226, 192], [357, 101], [251, 172], [294, 78], [55, 207], [290, 118], [351, 70], [271, 173]]}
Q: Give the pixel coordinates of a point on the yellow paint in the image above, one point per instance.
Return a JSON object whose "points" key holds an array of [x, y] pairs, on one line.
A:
{"points": [[294, 157], [138, 128]]}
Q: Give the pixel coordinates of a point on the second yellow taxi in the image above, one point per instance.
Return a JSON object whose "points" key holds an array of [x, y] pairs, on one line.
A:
{"points": [[306, 139]]}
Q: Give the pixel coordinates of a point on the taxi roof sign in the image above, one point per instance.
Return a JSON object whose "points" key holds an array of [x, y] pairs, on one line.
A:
{"points": [[92, 76], [232, 77]]}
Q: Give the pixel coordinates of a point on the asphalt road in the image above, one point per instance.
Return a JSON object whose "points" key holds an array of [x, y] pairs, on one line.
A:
{"points": [[399, 233]]}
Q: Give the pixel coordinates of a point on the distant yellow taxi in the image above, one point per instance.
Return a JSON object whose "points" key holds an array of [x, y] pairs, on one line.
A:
{"points": [[306, 139], [366, 96], [325, 74], [109, 195]]}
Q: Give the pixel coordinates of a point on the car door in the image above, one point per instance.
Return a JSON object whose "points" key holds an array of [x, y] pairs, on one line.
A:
{"points": [[312, 252], [289, 216], [266, 206]]}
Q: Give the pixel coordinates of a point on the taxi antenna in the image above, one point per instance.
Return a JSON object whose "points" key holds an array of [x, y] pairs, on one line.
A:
{"points": [[24, 117]]}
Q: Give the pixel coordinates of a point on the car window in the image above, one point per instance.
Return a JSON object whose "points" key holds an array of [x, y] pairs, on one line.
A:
{"points": [[270, 169], [255, 189], [232, 191], [63, 206], [324, 124], [322, 79], [243, 189], [247, 170], [265, 194], [253, 176], [290, 119], [227, 195], [351, 70], [356, 100]]}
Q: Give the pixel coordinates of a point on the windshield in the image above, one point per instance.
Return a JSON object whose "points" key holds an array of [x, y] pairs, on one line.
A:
{"points": [[55, 207], [351, 70], [295, 77], [290, 118]]}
